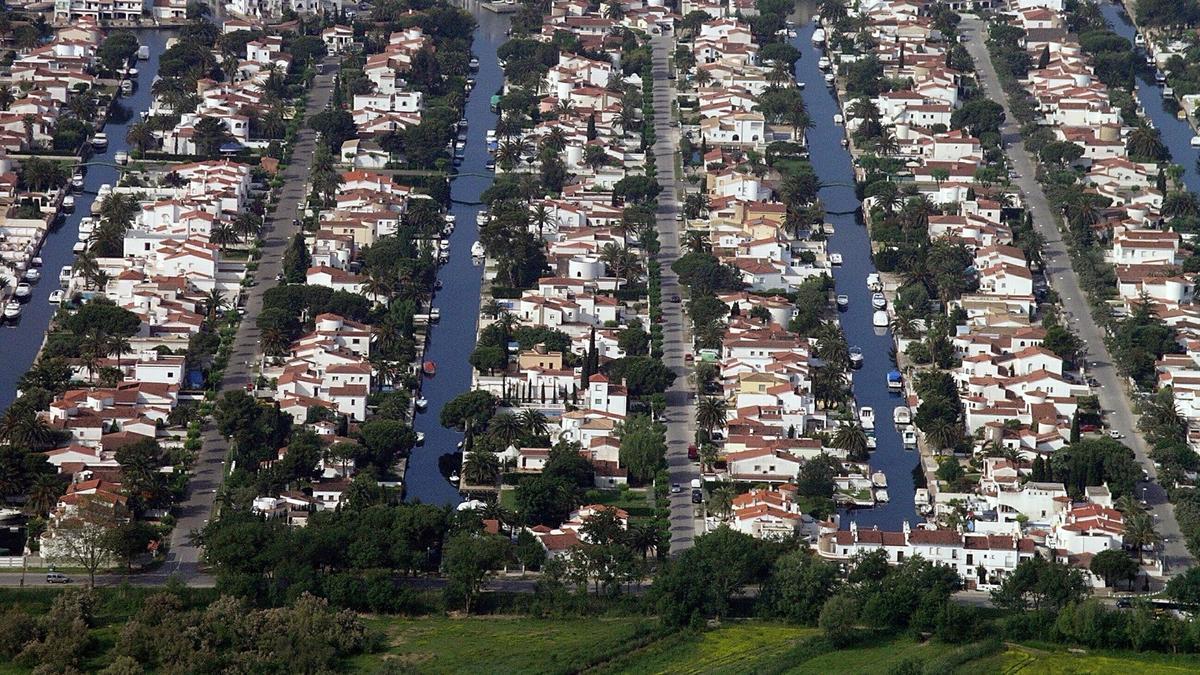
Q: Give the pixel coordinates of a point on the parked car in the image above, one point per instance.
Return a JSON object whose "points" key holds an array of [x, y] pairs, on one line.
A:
{"points": [[693, 452], [57, 578], [697, 496], [676, 488]]}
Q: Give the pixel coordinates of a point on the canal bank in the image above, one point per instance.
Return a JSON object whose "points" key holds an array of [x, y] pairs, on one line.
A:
{"points": [[452, 339], [1176, 133], [852, 241], [23, 339]]}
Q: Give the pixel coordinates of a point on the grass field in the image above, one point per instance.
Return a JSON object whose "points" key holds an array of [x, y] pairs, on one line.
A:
{"points": [[877, 658], [1027, 660], [735, 648], [500, 644]]}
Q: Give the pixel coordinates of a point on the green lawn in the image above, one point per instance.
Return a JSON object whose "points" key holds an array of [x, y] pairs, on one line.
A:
{"points": [[501, 644], [741, 647], [1030, 661], [635, 502]]}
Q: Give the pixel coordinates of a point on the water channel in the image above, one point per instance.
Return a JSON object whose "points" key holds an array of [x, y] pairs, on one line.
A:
{"points": [[1176, 133], [23, 339], [453, 338], [850, 239]]}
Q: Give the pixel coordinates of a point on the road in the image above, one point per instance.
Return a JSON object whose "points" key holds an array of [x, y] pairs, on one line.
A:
{"points": [[1060, 274], [681, 410], [183, 558]]}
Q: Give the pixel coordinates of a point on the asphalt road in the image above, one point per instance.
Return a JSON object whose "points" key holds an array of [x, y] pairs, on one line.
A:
{"points": [[1111, 392], [183, 557], [681, 409]]}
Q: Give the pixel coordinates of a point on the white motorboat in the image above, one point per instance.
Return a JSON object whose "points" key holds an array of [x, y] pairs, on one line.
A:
{"points": [[68, 203], [901, 416], [878, 300], [64, 275], [818, 36], [126, 87], [435, 314], [873, 282], [881, 496], [100, 140], [131, 72], [79, 247], [866, 417], [481, 218], [879, 479], [908, 437], [77, 181], [32, 275], [57, 296], [422, 403], [880, 319], [444, 244], [872, 443], [829, 78], [121, 157], [838, 119], [85, 235], [477, 250], [35, 261], [473, 64], [1195, 142], [143, 52], [1168, 92], [22, 290], [823, 63], [843, 301], [835, 258], [856, 357], [420, 437], [454, 478], [12, 310]]}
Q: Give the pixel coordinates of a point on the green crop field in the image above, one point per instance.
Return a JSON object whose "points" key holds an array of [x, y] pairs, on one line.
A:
{"points": [[1028, 661], [735, 648], [876, 658]]}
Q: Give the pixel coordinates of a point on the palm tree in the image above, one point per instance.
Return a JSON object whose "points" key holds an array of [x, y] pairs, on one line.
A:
{"points": [[863, 109], [508, 155], [44, 494], [1144, 144], [119, 209], [853, 439], [21, 426], [942, 434], [118, 345], [643, 537], [214, 302], [507, 427], [222, 234], [695, 205], [541, 216], [275, 341], [720, 500], [141, 137], [710, 414], [491, 308], [247, 225], [1139, 531], [534, 422], [481, 468], [556, 140], [696, 241]]}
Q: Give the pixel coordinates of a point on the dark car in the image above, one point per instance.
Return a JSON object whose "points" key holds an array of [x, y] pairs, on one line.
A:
{"points": [[693, 452], [697, 496], [674, 297]]}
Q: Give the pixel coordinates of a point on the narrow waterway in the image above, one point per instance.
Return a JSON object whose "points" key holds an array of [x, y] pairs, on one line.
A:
{"points": [[23, 339], [1176, 133], [851, 240], [453, 338]]}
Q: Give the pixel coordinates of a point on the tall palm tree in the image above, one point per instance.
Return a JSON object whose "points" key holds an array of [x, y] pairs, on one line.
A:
{"points": [[720, 500], [141, 137], [853, 439], [506, 427], [223, 234], [118, 345], [1144, 144], [1139, 531], [481, 468], [710, 414], [643, 537], [44, 494], [534, 422], [942, 434], [214, 302], [696, 241]]}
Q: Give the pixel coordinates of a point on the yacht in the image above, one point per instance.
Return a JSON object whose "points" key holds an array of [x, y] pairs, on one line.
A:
{"points": [[79, 247], [64, 275], [880, 319], [901, 416], [77, 180], [818, 36], [121, 157], [35, 261], [835, 258], [32, 275], [100, 140], [878, 300], [57, 296], [68, 203], [422, 403], [879, 479], [823, 63], [477, 250], [12, 310], [909, 438], [881, 496], [866, 417], [856, 357], [895, 380], [873, 282], [843, 301], [22, 290]]}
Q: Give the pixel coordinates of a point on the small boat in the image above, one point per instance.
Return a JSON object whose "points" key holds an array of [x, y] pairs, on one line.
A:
{"points": [[1195, 142], [126, 87], [1159, 77], [459, 445], [477, 250], [1168, 92], [143, 52], [22, 290], [838, 119], [881, 496], [872, 443], [57, 296], [437, 285], [490, 164], [829, 78], [873, 282], [901, 416], [818, 36], [100, 140], [843, 301], [422, 403], [878, 300], [79, 247], [443, 244], [880, 319], [32, 275], [856, 357], [131, 72], [454, 478], [121, 157], [435, 314], [835, 258], [68, 203], [844, 141], [77, 181], [12, 310], [451, 218], [481, 217], [1138, 40], [895, 380], [473, 64], [823, 63], [866, 417], [64, 275], [84, 235], [879, 479], [420, 437], [909, 438], [35, 261], [429, 368]]}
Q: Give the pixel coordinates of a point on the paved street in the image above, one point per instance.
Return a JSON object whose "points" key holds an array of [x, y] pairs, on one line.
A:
{"points": [[1112, 394], [184, 556], [681, 410]]}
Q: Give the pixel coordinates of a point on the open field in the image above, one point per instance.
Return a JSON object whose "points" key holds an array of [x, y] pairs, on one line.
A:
{"points": [[1027, 660], [740, 647]]}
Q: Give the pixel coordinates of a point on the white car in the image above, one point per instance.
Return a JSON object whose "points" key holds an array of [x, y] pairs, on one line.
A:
{"points": [[1113, 433]]}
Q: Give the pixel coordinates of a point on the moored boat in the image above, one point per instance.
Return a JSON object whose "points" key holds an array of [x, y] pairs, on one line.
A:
{"points": [[429, 368]]}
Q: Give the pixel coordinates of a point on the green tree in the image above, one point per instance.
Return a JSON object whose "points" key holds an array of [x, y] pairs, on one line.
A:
{"points": [[468, 560]]}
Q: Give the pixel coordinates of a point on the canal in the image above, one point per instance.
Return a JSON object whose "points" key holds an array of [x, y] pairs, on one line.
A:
{"points": [[850, 239], [452, 339], [1176, 133], [23, 339]]}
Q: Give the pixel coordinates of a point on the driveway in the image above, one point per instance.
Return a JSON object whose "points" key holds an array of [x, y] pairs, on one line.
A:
{"points": [[1111, 392], [681, 410], [194, 512]]}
